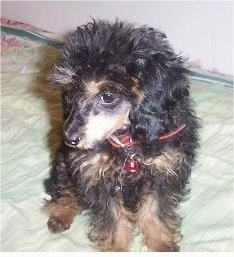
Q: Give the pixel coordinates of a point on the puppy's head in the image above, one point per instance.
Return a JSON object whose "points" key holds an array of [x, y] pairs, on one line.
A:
{"points": [[117, 78], [95, 109]]}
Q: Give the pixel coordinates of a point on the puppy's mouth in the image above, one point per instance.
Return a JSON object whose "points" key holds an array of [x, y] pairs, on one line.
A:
{"points": [[82, 142], [120, 132]]}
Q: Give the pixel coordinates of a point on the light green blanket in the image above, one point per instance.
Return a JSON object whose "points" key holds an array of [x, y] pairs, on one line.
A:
{"points": [[29, 111]]}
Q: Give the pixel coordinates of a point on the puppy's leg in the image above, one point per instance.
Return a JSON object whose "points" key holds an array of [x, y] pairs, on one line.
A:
{"points": [[159, 235], [111, 228], [64, 204], [61, 212]]}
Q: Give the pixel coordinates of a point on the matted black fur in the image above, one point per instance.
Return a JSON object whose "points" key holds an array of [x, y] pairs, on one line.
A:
{"points": [[106, 71]]}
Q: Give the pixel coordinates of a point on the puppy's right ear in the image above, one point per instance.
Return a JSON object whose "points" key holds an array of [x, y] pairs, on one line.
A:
{"points": [[61, 77]]}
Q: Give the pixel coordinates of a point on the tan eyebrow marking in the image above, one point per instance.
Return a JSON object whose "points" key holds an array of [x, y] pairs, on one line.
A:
{"points": [[93, 87]]}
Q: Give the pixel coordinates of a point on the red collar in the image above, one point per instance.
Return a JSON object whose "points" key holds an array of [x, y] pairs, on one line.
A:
{"points": [[127, 141], [131, 164]]}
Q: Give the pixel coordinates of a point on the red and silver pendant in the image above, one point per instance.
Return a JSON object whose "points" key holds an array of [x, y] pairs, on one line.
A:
{"points": [[131, 165]]}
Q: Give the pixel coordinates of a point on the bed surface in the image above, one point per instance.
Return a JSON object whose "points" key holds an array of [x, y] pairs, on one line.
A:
{"points": [[30, 120]]}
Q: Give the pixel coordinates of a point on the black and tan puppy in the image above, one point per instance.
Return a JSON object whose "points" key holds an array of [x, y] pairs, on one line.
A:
{"points": [[130, 136]]}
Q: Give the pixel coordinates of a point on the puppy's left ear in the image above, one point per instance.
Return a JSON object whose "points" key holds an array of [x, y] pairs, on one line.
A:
{"points": [[162, 83]]}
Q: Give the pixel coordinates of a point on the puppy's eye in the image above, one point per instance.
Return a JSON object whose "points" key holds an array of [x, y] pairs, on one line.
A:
{"points": [[108, 98]]}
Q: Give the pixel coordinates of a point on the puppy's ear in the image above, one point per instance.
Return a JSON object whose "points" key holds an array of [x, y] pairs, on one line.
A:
{"points": [[61, 77], [145, 120], [162, 80]]}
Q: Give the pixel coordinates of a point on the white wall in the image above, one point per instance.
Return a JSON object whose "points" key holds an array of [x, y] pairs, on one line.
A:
{"points": [[201, 30]]}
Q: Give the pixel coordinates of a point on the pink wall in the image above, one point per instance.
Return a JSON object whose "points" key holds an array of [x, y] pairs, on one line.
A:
{"points": [[202, 30]]}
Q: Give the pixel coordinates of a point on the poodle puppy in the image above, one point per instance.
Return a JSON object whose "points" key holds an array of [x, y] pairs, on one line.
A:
{"points": [[130, 136]]}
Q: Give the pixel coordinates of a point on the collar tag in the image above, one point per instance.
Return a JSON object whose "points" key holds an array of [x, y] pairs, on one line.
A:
{"points": [[131, 165]]}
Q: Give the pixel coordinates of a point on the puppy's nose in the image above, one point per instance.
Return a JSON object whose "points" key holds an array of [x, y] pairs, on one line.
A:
{"points": [[71, 140]]}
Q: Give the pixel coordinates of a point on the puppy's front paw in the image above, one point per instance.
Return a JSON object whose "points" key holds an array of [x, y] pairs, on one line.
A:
{"points": [[56, 225]]}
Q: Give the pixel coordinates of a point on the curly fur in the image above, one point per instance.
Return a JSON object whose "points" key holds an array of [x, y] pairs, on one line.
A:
{"points": [[116, 78]]}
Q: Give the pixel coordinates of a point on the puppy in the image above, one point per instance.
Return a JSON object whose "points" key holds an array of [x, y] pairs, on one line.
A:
{"points": [[130, 136]]}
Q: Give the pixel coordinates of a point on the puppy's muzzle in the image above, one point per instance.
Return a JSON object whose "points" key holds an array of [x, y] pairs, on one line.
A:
{"points": [[71, 132]]}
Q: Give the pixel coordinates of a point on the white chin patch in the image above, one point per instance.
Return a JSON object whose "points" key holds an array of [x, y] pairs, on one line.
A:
{"points": [[102, 125]]}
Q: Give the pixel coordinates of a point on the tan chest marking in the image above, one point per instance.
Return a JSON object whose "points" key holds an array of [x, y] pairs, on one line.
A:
{"points": [[168, 162], [93, 167]]}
